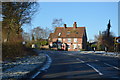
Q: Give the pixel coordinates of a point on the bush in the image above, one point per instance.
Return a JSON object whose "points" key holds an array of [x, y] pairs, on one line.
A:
{"points": [[101, 47], [44, 42], [40, 43], [28, 44], [94, 45], [82, 49]]}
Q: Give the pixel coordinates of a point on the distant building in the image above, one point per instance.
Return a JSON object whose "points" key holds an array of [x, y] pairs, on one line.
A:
{"points": [[74, 37]]}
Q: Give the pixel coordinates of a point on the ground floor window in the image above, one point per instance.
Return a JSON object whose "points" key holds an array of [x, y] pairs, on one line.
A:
{"points": [[75, 39], [74, 46], [59, 39]]}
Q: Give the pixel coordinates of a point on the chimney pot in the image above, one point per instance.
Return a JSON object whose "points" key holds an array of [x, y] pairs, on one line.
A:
{"points": [[75, 25], [65, 26]]}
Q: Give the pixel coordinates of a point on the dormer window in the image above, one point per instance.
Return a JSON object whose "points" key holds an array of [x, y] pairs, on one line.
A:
{"points": [[59, 34]]}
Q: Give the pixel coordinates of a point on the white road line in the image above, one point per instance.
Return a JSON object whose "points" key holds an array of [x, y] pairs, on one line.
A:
{"points": [[112, 66], [90, 66], [35, 75], [80, 60], [77, 59], [95, 69], [96, 60]]}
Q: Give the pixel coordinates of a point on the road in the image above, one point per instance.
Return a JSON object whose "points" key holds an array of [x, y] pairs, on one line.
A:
{"points": [[72, 64]]}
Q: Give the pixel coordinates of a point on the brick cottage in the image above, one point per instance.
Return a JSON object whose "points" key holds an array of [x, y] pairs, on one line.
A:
{"points": [[74, 37]]}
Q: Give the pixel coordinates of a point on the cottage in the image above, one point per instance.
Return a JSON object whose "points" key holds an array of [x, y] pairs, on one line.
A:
{"points": [[74, 37]]}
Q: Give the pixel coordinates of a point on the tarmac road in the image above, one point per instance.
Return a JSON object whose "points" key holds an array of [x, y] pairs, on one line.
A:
{"points": [[72, 64]]}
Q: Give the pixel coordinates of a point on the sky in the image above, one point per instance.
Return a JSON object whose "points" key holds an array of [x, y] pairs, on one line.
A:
{"points": [[92, 15]]}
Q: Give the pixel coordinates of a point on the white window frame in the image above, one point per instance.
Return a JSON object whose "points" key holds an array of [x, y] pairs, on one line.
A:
{"points": [[75, 39], [59, 39], [69, 39]]}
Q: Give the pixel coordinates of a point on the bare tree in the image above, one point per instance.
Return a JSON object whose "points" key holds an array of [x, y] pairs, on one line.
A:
{"points": [[41, 33], [37, 32], [47, 32], [104, 41], [26, 36], [57, 23]]}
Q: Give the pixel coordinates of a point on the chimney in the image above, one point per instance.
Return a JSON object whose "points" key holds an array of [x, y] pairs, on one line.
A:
{"points": [[75, 25], [65, 26]]}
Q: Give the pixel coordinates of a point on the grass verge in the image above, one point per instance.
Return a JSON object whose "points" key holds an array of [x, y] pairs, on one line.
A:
{"points": [[14, 50]]}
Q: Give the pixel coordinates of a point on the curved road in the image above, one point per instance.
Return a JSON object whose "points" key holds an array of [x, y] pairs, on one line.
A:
{"points": [[72, 64]]}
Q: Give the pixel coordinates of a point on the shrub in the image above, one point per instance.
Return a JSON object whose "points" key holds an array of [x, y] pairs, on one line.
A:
{"points": [[82, 49], [94, 45]]}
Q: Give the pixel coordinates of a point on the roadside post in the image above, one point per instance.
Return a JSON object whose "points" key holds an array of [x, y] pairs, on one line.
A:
{"points": [[24, 43], [106, 50], [94, 49], [33, 45]]}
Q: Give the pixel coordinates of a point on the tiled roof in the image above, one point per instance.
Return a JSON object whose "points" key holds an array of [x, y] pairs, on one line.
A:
{"points": [[68, 32]]}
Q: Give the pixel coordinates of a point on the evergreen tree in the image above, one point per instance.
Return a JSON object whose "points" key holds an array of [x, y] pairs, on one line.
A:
{"points": [[108, 29]]}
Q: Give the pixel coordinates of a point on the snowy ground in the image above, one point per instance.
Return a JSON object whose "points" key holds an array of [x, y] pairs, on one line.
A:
{"points": [[103, 53], [21, 67], [111, 54]]}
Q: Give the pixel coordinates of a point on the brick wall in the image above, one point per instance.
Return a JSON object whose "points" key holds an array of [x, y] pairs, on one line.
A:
{"points": [[73, 46]]}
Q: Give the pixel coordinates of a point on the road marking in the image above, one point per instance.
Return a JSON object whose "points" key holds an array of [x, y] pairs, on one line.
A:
{"points": [[45, 67], [96, 60], [90, 66], [95, 69], [80, 60], [112, 66], [77, 59], [36, 75]]}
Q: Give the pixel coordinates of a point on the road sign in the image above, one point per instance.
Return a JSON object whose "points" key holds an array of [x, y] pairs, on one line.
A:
{"points": [[117, 40]]}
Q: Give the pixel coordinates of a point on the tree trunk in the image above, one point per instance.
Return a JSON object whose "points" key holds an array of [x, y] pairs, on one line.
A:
{"points": [[8, 35]]}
